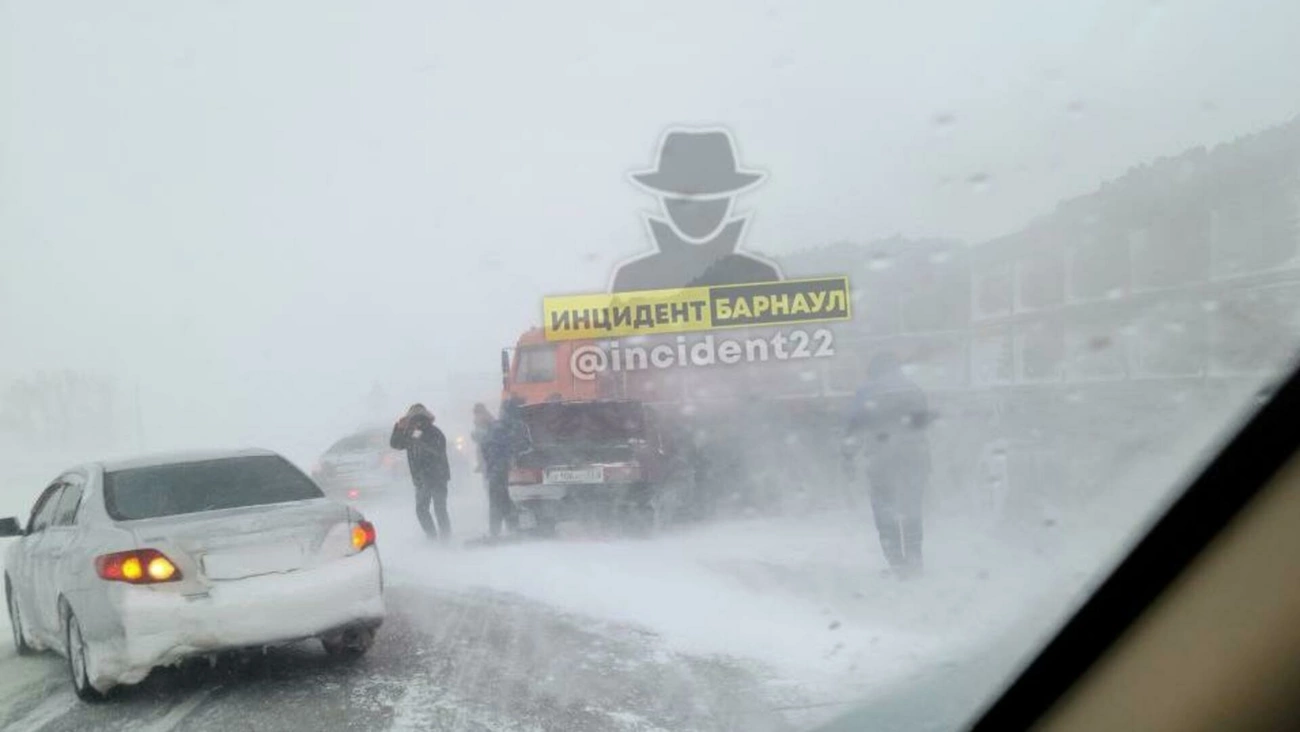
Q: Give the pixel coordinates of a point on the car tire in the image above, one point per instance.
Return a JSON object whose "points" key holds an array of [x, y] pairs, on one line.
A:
{"points": [[15, 622], [76, 654], [349, 644]]}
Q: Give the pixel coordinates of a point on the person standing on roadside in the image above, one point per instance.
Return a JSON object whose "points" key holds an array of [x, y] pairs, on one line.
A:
{"points": [[888, 423], [426, 453], [505, 438]]}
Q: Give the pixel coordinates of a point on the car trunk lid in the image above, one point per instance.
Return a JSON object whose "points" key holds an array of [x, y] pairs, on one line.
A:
{"points": [[235, 543]]}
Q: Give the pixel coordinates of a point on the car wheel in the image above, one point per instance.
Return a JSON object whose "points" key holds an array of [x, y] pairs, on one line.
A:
{"points": [[15, 622], [76, 646], [350, 644]]}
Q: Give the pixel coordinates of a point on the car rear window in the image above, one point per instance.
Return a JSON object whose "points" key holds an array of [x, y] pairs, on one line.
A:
{"points": [[360, 442], [210, 485]]}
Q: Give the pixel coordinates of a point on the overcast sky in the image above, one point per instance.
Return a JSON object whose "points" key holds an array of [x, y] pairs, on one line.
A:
{"points": [[256, 209]]}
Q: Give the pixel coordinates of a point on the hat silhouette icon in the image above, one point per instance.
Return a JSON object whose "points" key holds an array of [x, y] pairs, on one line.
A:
{"points": [[697, 164], [696, 245]]}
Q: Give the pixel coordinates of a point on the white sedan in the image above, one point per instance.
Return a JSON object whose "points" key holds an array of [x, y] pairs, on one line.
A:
{"points": [[131, 565]]}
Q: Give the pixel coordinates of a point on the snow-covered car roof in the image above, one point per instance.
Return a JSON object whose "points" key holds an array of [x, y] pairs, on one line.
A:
{"points": [[176, 458]]}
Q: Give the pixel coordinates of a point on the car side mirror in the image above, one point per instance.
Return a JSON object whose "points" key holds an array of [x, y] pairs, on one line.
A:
{"points": [[10, 527]]}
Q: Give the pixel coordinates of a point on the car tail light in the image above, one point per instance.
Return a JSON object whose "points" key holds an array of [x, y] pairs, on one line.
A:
{"points": [[363, 534], [525, 476], [137, 567], [353, 494], [389, 460]]}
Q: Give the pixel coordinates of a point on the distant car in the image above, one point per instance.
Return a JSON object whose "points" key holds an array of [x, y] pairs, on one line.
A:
{"points": [[127, 566], [603, 462], [361, 466]]}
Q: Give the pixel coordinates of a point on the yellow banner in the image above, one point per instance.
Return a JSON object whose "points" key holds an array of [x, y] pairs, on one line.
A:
{"points": [[646, 312]]}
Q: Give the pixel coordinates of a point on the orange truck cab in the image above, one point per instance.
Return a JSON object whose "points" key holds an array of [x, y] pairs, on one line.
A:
{"points": [[540, 371]]}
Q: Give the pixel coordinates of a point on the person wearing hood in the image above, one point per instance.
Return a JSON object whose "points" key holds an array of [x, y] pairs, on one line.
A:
{"points": [[426, 453], [502, 440], [888, 424]]}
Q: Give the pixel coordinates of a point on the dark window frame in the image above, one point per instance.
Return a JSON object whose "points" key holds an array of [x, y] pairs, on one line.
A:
{"points": [[71, 481], [1228, 482], [527, 361], [54, 491]]}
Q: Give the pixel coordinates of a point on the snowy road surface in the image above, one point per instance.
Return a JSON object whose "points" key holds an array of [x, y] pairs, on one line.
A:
{"points": [[443, 661], [761, 624]]}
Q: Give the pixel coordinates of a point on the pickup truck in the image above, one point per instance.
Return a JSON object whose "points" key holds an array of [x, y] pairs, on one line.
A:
{"points": [[605, 463]]}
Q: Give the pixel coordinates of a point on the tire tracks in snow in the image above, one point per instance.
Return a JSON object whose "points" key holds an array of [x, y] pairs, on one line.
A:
{"points": [[178, 713], [48, 710]]}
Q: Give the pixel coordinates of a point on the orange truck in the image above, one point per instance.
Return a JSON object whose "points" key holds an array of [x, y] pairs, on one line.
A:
{"points": [[748, 433]]}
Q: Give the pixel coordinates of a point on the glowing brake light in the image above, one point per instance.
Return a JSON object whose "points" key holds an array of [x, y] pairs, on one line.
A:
{"points": [[363, 534], [525, 476], [137, 567], [160, 569]]}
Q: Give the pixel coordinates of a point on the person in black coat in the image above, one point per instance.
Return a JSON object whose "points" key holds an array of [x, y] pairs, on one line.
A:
{"points": [[426, 452], [888, 423]]}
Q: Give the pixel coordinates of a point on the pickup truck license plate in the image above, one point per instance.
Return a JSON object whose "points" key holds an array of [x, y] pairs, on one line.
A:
{"points": [[574, 475]]}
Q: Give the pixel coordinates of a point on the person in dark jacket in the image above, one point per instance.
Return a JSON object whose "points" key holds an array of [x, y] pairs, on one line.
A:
{"points": [[426, 452], [502, 440], [888, 424]]}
